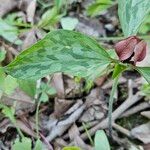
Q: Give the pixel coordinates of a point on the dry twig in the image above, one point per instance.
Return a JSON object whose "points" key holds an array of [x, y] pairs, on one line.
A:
{"points": [[135, 109], [132, 99]]}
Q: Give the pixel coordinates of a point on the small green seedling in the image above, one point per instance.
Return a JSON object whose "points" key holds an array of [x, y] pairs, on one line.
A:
{"points": [[26, 144], [101, 141]]}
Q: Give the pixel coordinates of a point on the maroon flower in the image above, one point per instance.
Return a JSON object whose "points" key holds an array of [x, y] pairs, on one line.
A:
{"points": [[131, 49]]}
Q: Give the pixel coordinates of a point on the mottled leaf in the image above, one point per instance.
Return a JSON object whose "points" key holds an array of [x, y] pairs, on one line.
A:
{"points": [[131, 14], [145, 72], [61, 51]]}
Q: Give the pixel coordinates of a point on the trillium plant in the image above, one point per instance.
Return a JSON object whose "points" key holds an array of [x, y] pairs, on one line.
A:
{"points": [[79, 55], [131, 50]]}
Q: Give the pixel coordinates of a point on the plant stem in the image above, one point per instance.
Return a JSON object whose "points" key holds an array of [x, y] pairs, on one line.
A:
{"points": [[13, 120], [19, 131], [111, 99], [37, 119], [89, 136]]}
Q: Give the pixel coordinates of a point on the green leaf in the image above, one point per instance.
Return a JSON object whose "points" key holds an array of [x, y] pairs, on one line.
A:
{"points": [[8, 112], [112, 53], [71, 148], [2, 79], [24, 144], [145, 91], [29, 87], [44, 97], [145, 27], [101, 141], [10, 85], [98, 6], [131, 14], [18, 21], [59, 3], [2, 55], [10, 33], [49, 18], [117, 70], [145, 72], [38, 145], [69, 23], [61, 51], [7, 83], [51, 91]]}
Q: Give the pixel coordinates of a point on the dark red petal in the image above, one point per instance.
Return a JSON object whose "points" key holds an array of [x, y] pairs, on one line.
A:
{"points": [[140, 51], [125, 48]]}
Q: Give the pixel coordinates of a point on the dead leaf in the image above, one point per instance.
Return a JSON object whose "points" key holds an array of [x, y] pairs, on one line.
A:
{"points": [[72, 89], [26, 129], [24, 102], [40, 33], [4, 125], [146, 114], [96, 106], [74, 135], [146, 146], [31, 11], [142, 133], [30, 39], [2, 146], [59, 143], [23, 4], [99, 81], [90, 27], [6, 6], [61, 106], [58, 127], [86, 3], [110, 82], [135, 147], [58, 83]]}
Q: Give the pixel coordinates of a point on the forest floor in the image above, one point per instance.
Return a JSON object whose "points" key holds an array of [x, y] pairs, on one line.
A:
{"points": [[69, 113]]}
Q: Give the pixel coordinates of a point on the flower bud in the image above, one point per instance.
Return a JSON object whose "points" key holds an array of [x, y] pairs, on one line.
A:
{"points": [[131, 49]]}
